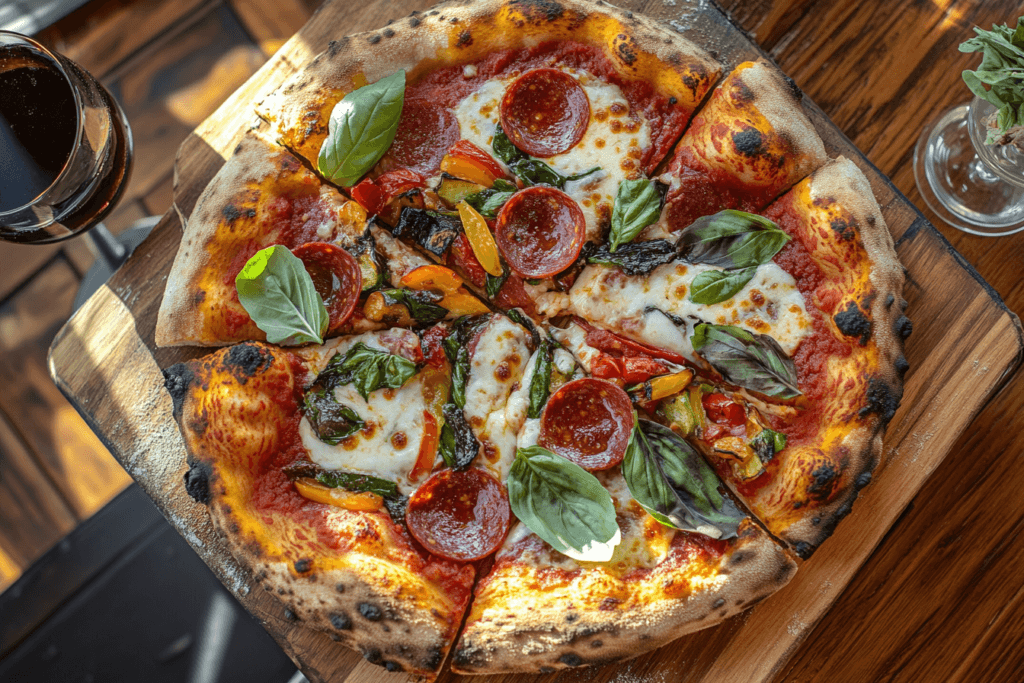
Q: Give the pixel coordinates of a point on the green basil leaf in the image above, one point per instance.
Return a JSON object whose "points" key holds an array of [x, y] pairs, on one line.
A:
{"points": [[331, 421], [368, 369], [540, 383], [504, 149], [637, 205], [536, 172], [562, 503], [361, 129], [422, 304], [459, 446], [502, 185], [1002, 68], [753, 361], [357, 483], [489, 202], [460, 376], [714, 286], [670, 479], [731, 239], [493, 284], [278, 294]]}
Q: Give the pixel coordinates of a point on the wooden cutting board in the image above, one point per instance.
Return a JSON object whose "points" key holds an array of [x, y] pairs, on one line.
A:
{"points": [[964, 345]]}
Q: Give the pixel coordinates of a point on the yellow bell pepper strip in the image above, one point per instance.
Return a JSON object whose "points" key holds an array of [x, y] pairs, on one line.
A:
{"points": [[376, 310], [462, 303], [315, 491], [433, 276], [667, 385], [480, 239]]}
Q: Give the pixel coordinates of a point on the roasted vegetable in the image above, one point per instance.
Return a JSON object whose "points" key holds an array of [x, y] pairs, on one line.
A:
{"points": [[431, 230], [453, 190]]}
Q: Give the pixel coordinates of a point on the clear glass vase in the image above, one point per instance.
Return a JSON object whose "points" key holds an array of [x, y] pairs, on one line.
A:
{"points": [[974, 187]]}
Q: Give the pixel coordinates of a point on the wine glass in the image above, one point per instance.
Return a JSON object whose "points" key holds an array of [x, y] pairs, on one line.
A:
{"points": [[974, 187]]}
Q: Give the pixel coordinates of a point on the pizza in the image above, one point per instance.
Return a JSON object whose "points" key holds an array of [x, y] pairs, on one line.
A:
{"points": [[546, 339]]}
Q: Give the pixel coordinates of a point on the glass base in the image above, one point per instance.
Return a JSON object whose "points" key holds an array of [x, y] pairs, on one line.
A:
{"points": [[958, 186]]}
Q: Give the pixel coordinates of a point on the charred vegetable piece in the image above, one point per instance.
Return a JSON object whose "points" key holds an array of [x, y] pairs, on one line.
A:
{"points": [[634, 258], [331, 421], [431, 230], [453, 190], [371, 265], [424, 306]]}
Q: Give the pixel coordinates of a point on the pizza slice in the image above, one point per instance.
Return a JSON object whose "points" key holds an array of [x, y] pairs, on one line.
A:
{"points": [[624, 541], [361, 479], [264, 196]]}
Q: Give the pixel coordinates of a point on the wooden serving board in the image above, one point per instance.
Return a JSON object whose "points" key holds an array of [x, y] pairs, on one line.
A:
{"points": [[965, 344]]}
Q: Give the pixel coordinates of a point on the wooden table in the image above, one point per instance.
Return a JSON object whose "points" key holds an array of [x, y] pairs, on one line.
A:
{"points": [[941, 596]]}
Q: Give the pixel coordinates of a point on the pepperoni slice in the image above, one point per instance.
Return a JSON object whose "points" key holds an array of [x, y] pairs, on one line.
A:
{"points": [[540, 231], [545, 112], [460, 515], [425, 132], [588, 421], [337, 278]]}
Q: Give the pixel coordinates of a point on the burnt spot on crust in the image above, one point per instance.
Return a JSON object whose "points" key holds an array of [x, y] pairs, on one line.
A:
{"points": [[741, 93], [232, 213], [177, 379], [370, 611], [414, 21], [539, 10], [883, 400], [853, 323], [571, 659], [718, 603], [748, 142], [393, 666], [739, 557], [862, 480], [903, 327], [890, 299], [596, 643], [794, 89], [373, 656], [304, 565], [340, 621], [824, 476], [803, 549], [374, 39], [547, 670], [340, 587], [843, 229], [245, 360], [290, 615], [388, 32], [625, 49], [465, 38], [901, 366], [197, 482]]}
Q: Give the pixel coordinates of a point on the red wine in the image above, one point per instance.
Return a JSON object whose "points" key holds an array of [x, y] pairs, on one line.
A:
{"points": [[38, 122], [70, 180]]}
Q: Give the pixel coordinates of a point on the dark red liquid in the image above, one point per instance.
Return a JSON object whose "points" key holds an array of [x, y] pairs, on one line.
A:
{"points": [[37, 126]]}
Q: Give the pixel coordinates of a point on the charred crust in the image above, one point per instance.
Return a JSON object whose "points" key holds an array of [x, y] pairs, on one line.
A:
{"points": [[748, 142], [571, 617], [547, 670], [393, 666], [388, 32], [890, 299], [465, 38], [883, 400], [739, 557], [290, 615], [543, 10], [824, 477], [853, 323], [374, 39], [901, 366], [803, 549], [571, 659], [232, 213], [718, 603], [304, 565], [434, 658], [245, 360], [815, 521], [197, 482], [862, 480], [177, 379], [373, 656], [843, 229], [334, 47], [414, 21], [370, 611], [340, 587], [340, 621], [467, 657], [793, 88], [625, 50], [903, 327]]}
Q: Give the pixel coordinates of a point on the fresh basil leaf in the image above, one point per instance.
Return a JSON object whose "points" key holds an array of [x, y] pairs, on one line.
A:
{"points": [[536, 172], [489, 202], [637, 205], [731, 239], [634, 258], [357, 483], [367, 368], [714, 286], [502, 185], [278, 294], [1002, 69], [494, 284], [767, 443], [670, 479], [361, 129], [504, 149], [753, 361], [521, 319], [540, 383], [460, 376], [459, 447], [561, 502], [331, 421], [422, 304]]}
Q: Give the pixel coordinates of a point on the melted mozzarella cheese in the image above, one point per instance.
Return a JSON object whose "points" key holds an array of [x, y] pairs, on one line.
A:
{"points": [[615, 140], [389, 443], [495, 371], [633, 305]]}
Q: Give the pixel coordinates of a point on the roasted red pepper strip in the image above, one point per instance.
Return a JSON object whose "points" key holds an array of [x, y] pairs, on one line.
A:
{"points": [[369, 195], [394, 183], [722, 410], [606, 367], [428, 447], [641, 368]]}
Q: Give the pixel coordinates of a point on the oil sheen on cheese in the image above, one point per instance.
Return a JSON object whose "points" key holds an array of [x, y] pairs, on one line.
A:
{"points": [[614, 140], [635, 306]]}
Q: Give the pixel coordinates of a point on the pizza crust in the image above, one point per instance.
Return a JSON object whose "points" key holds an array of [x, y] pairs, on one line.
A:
{"points": [[523, 621]]}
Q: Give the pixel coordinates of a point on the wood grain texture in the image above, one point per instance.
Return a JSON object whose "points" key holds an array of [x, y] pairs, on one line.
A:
{"points": [[964, 344]]}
